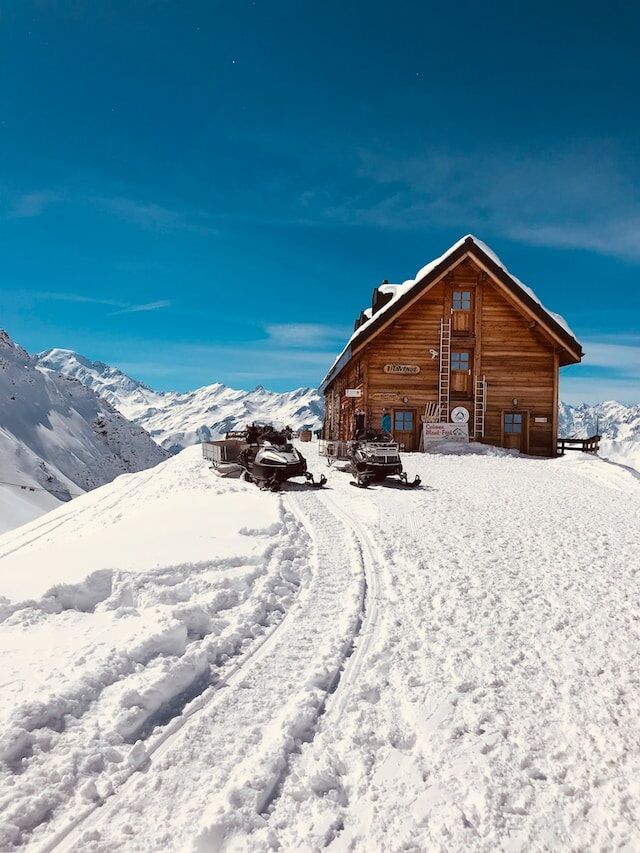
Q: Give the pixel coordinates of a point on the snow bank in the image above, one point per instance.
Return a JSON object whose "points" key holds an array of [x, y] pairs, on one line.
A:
{"points": [[119, 610]]}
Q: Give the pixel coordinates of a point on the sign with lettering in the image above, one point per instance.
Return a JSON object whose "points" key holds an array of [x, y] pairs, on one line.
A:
{"points": [[353, 392], [385, 395], [402, 369], [432, 433]]}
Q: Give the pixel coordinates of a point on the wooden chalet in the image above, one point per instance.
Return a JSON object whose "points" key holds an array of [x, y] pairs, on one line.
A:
{"points": [[464, 333]]}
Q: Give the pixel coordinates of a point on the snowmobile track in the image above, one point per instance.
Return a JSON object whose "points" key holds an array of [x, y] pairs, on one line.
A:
{"points": [[352, 662], [366, 634], [349, 664], [68, 838]]}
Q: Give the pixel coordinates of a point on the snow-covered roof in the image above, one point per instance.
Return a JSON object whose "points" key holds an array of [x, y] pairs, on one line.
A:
{"points": [[398, 291]]}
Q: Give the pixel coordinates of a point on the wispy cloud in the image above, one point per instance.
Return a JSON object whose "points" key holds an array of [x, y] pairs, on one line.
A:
{"points": [[583, 197], [31, 204], [75, 297], [610, 371], [306, 334], [593, 389], [147, 306], [153, 216], [624, 358], [129, 207]]}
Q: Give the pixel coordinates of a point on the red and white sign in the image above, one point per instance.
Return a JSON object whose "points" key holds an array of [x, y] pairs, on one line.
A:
{"points": [[445, 432]]}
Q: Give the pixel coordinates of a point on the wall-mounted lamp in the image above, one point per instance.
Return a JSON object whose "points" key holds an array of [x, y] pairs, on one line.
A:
{"points": [[514, 402]]}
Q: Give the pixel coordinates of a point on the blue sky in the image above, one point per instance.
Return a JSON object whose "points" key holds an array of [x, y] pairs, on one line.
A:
{"points": [[203, 192]]}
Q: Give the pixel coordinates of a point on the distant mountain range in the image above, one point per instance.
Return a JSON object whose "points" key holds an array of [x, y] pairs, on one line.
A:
{"points": [[619, 426], [178, 419], [58, 438]]}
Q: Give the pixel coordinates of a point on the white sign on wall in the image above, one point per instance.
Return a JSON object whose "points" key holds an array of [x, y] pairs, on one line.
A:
{"points": [[444, 432], [460, 415], [353, 392]]}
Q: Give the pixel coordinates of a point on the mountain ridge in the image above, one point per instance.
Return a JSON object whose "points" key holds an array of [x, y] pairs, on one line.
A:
{"points": [[177, 419], [58, 438]]}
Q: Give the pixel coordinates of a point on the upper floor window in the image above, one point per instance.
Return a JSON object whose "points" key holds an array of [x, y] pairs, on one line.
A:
{"points": [[460, 360], [461, 300]]}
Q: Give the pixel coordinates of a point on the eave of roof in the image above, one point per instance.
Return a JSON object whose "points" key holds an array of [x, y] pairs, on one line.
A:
{"points": [[430, 274]]}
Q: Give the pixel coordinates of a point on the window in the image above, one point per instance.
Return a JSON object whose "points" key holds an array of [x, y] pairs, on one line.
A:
{"points": [[462, 300], [403, 422], [513, 422], [460, 361]]}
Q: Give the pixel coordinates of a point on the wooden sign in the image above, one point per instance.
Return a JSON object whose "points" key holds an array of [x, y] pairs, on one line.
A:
{"points": [[401, 368], [384, 395]]}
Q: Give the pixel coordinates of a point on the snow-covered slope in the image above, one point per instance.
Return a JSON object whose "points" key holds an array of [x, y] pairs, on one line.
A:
{"points": [[191, 664], [176, 420], [129, 396], [58, 439], [619, 426]]}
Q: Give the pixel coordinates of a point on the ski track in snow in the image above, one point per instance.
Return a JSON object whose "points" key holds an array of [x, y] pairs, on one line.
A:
{"points": [[450, 668]]}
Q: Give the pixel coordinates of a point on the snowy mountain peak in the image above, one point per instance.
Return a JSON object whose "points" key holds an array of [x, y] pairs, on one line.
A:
{"points": [[178, 419], [57, 437]]}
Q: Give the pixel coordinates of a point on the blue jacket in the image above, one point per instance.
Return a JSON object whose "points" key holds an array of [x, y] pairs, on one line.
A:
{"points": [[386, 423]]}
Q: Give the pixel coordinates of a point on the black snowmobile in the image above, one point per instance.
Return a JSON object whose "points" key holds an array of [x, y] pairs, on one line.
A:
{"points": [[270, 459], [373, 457]]}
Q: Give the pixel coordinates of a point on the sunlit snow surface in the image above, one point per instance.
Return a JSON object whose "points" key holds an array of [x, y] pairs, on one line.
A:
{"points": [[178, 678]]}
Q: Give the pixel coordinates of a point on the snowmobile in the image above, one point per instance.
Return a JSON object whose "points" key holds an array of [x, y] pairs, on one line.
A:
{"points": [[269, 459], [373, 457]]}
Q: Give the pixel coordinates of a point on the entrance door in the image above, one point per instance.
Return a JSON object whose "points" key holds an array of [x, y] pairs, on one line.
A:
{"points": [[461, 365], [514, 426], [404, 428]]}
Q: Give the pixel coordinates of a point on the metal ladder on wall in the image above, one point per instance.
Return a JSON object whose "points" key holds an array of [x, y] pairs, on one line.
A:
{"points": [[445, 369], [479, 406]]}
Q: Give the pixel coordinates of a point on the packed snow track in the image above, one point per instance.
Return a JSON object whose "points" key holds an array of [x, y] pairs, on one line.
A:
{"points": [[192, 664]]}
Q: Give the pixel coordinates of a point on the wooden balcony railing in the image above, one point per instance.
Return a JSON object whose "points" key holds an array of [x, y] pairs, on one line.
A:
{"points": [[586, 445]]}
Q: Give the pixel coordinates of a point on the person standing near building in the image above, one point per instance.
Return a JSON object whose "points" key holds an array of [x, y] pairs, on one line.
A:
{"points": [[386, 421]]}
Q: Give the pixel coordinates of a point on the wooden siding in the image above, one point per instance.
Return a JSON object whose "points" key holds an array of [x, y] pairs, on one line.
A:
{"points": [[519, 359]]}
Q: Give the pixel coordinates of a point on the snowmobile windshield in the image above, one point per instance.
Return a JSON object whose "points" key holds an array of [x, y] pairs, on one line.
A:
{"points": [[278, 439], [374, 435]]}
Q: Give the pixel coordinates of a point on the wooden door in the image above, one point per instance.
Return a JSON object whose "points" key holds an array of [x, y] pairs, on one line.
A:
{"points": [[347, 420], [462, 311], [514, 431], [404, 428], [461, 371]]}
